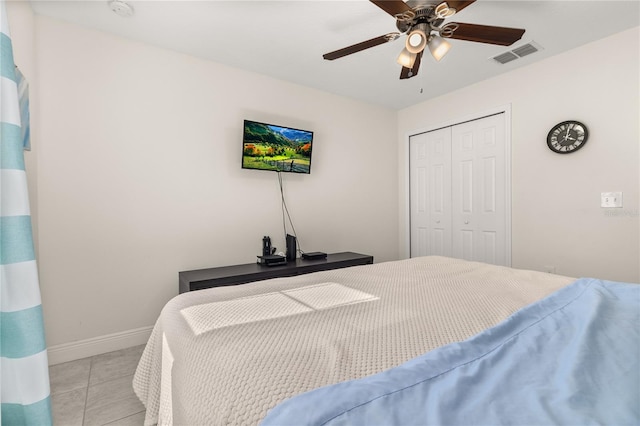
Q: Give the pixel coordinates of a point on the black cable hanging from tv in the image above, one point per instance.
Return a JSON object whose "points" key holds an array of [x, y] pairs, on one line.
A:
{"points": [[285, 209]]}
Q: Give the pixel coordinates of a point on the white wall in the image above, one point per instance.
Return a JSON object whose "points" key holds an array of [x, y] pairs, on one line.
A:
{"points": [[556, 215], [139, 176]]}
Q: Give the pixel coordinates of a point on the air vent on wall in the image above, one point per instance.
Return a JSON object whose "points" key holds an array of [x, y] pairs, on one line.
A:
{"points": [[518, 52]]}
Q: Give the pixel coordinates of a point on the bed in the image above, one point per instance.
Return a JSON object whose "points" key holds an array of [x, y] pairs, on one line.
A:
{"points": [[336, 346]]}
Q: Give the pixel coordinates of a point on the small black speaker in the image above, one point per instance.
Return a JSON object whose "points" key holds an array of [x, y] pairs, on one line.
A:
{"points": [[292, 249], [266, 246]]}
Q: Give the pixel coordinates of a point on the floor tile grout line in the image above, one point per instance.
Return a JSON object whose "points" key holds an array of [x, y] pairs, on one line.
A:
{"points": [[106, 382], [110, 379], [125, 417], [86, 394]]}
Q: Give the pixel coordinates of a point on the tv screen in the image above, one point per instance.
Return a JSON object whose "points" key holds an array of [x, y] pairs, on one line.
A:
{"points": [[276, 148]]}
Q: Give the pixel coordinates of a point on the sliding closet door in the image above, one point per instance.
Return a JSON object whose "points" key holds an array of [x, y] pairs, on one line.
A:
{"points": [[478, 185], [430, 165], [459, 204]]}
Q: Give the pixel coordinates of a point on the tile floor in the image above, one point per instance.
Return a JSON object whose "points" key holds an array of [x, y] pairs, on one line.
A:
{"points": [[97, 390]]}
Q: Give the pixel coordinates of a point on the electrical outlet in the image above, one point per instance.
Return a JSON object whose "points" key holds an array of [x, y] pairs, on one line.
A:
{"points": [[611, 199]]}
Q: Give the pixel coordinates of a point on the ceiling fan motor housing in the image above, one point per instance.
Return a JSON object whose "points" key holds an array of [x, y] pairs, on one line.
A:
{"points": [[424, 15]]}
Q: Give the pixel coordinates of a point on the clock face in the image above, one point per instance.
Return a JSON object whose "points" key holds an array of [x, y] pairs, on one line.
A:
{"points": [[566, 137]]}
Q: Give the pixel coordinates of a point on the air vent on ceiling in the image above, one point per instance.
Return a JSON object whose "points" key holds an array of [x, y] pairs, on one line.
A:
{"points": [[505, 57], [518, 52]]}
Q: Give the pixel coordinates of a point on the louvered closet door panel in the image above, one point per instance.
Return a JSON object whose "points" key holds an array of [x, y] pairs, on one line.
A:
{"points": [[479, 190], [430, 183]]}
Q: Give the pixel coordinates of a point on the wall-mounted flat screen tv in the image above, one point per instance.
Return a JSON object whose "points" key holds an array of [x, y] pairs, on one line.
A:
{"points": [[276, 148]]}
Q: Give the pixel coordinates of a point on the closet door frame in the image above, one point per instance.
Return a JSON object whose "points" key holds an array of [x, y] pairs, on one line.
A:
{"points": [[503, 109]]}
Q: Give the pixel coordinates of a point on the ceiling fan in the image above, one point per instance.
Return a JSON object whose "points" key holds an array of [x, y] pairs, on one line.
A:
{"points": [[422, 21]]}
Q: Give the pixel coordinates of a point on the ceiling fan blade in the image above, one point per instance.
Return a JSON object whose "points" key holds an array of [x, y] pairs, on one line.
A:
{"points": [[393, 7], [360, 46], [413, 71], [482, 33], [459, 5]]}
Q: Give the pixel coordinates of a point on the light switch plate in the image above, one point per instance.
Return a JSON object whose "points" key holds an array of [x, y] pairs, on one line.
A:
{"points": [[611, 199]]}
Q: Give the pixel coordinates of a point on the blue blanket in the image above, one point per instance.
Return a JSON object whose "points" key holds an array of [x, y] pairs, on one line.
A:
{"points": [[573, 358]]}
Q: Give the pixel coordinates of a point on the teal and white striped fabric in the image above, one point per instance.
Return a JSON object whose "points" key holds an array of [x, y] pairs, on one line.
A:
{"points": [[24, 374]]}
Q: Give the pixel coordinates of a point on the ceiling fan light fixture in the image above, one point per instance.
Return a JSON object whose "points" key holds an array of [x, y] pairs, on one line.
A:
{"points": [[417, 39], [406, 58], [444, 11], [438, 47]]}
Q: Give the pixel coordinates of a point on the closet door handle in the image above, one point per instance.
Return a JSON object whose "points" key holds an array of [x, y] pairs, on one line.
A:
{"points": [[438, 221]]}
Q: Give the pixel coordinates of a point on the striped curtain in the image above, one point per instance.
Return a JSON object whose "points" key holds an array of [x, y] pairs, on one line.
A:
{"points": [[24, 374]]}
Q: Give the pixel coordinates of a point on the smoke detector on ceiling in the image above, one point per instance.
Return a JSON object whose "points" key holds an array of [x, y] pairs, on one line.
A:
{"points": [[121, 8]]}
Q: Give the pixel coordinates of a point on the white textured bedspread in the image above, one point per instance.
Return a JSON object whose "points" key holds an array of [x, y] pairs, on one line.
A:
{"points": [[227, 355]]}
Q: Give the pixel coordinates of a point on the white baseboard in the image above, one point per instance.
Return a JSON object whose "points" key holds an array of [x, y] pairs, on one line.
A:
{"points": [[98, 345]]}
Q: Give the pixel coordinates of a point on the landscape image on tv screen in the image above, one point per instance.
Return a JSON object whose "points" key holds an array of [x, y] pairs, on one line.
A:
{"points": [[276, 148]]}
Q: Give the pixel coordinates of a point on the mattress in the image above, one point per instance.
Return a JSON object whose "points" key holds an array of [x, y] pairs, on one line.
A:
{"points": [[228, 355]]}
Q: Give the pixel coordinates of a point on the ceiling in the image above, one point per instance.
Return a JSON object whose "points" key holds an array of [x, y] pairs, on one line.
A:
{"points": [[286, 39]]}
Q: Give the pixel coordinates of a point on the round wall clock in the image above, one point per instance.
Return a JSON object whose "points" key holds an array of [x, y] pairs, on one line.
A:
{"points": [[566, 137]]}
